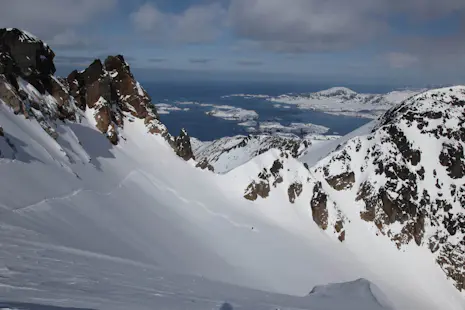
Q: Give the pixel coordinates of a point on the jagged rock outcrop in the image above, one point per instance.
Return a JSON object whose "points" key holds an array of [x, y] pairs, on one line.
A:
{"points": [[182, 146], [27, 83], [107, 91], [319, 209], [294, 191]]}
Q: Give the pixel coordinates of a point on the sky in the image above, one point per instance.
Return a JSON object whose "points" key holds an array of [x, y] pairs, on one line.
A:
{"points": [[404, 42]]}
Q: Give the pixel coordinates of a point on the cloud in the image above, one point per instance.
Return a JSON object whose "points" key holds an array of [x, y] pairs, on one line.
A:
{"points": [[157, 60], [400, 60], [198, 23], [200, 60], [249, 62], [69, 39], [53, 20], [305, 25], [74, 59], [302, 26]]}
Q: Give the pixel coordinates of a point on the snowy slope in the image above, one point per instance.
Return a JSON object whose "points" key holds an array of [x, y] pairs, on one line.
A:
{"points": [[94, 235]]}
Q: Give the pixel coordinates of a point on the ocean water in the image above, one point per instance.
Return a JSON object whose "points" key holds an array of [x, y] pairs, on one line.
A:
{"points": [[207, 128]]}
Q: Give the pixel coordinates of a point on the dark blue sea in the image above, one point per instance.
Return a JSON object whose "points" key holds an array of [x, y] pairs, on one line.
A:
{"points": [[205, 127]]}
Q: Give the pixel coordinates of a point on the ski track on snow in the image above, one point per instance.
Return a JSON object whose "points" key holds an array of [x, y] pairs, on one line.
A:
{"points": [[156, 183]]}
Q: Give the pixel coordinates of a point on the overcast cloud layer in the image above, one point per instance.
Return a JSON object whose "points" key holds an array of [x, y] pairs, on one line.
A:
{"points": [[397, 34]]}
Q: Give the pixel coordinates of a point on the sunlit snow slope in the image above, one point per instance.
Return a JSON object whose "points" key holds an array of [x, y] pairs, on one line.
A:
{"points": [[131, 231]]}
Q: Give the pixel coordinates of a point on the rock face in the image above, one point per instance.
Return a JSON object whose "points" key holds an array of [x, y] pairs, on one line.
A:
{"points": [[107, 91], [27, 83], [28, 57]]}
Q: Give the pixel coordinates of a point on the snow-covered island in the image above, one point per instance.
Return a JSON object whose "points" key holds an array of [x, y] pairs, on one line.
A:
{"points": [[300, 129], [231, 113], [164, 108], [344, 101]]}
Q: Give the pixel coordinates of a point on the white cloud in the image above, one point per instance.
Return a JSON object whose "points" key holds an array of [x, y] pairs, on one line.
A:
{"points": [[305, 25], [199, 23], [329, 25], [52, 19], [147, 18]]}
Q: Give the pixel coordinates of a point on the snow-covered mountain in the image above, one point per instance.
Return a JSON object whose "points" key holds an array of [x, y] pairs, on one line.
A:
{"points": [[228, 153], [404, 180], [101, 208], [344, 101]]}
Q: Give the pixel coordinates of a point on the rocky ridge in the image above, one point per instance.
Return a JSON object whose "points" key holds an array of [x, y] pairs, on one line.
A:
{"points": [[105, 91], [405, 179]]}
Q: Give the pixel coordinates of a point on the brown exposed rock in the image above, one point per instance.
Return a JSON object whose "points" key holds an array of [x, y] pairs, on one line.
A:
{"points": [[342, 182], [318, 204], [103, 118], [132, 96], [339, 226], [76, 88], [10, 96], [205, 165], [452, 261], [66, 108], [2, 134], [294, 191], [255, 189]]}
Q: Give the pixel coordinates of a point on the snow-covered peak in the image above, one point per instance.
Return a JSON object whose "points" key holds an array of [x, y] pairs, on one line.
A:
{"points": [[337, 92], [407, 177], [228, 153], [401, 177]]}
